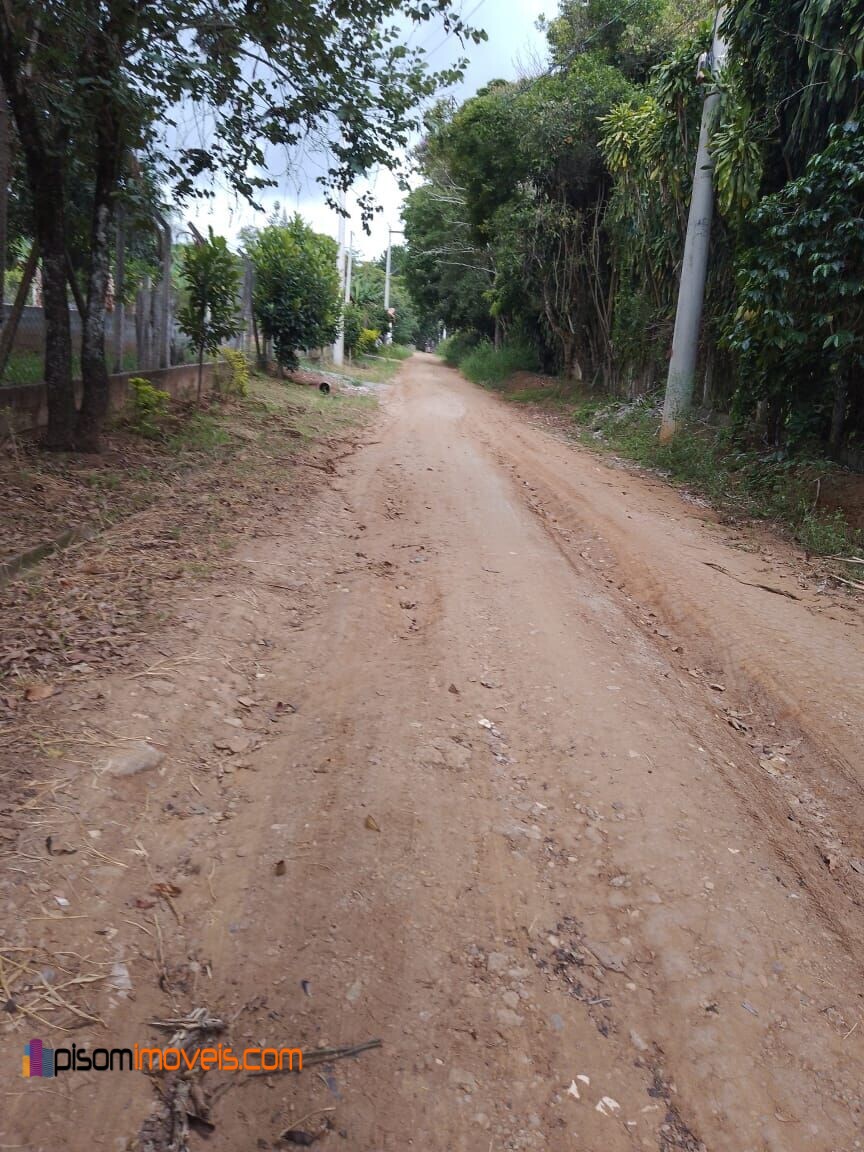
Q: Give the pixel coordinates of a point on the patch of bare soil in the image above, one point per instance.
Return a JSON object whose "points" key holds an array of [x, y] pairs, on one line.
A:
{"points": [[168, 516], [48, 496]]}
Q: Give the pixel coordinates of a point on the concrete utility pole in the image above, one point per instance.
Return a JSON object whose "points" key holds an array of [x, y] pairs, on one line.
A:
{"points": [[387, 271], [339, 345], [391, 232], [694, 266], [349, 268]]}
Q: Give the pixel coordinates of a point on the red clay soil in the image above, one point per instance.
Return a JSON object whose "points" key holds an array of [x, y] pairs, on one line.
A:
{"points": [[513, 760]]}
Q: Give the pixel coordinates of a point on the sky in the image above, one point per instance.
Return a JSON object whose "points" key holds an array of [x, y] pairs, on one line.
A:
{"points": [[513, 48]]}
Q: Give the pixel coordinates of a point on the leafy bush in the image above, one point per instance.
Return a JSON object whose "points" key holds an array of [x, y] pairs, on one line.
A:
{"points": [[492, 366], [455, 348], [297, 297], [209, 316], [799, 326], [147, 408], [352, 326], [368, 340], [234, 380]]}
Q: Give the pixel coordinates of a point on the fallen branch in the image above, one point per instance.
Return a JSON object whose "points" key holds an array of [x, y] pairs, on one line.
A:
{"points": [[850, 583]]}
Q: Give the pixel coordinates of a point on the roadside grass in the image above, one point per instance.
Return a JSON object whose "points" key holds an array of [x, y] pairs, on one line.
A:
{"points": [[492, 367], [710, 462], [557, 394], [379, 368], [301, 411], [394, 352], [455, 348]]}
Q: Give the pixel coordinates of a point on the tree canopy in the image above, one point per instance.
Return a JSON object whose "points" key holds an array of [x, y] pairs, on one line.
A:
{"points": [[554, 209], [93, 86]]}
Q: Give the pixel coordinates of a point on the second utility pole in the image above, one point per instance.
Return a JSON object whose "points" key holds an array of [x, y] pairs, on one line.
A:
{"points": [[388, 338], [694, 266]]}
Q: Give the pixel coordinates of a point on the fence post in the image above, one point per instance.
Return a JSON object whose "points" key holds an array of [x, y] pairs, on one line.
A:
{"points": [[142, 323]]}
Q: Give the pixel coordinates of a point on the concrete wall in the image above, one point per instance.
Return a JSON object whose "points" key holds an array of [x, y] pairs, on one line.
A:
{"points": [[23, 407]]}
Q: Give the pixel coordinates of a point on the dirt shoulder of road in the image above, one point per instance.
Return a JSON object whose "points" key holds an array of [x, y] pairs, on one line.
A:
{"points": [[120, 653], [814, 503], [141, 525], [143, 515]]}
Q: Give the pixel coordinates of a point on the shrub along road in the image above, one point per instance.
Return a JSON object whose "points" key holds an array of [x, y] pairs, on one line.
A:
{"points": [[513, 760]]}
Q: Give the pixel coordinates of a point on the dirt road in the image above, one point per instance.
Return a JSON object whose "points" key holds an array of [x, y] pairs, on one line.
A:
{"points": [[509, 758]]}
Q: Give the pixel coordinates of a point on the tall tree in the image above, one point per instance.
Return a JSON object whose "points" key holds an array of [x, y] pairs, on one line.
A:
{"points": [[34, 58]]}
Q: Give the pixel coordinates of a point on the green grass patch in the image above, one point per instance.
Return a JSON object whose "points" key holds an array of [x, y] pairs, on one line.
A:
{"points": [[199, 432], [556, 394], [280, 406], [24, 368], [710, 462], [29, 367], [455, 348], [360, 369], [492, 367], [395, 351]]}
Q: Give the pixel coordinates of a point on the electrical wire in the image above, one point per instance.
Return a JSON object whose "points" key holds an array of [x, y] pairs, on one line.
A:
{"points": [[438, 47]]}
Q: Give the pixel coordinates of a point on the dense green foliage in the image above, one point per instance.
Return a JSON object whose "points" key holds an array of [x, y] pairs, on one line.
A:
{"points": [[485, 364], [799, 326], [366, 312], [297, 298], [553, 210]]}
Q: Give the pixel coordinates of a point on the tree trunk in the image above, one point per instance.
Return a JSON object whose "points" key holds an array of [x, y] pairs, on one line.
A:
{"points": [[50, 230], [119, 290], [838, 413], [94, 367], [200, 372], [45, 179], [259, 356], [5, 178]]}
